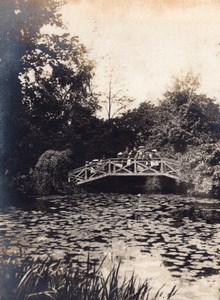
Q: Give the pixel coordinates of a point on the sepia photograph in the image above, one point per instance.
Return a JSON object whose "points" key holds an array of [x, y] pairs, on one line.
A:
{"points": [[110, 150]]}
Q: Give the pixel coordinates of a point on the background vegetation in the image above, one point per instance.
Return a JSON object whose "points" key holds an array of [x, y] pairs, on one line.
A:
{"points": [[49, 106]]}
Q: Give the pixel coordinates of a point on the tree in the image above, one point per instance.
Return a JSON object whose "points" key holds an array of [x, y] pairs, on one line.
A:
{"points": [[50, 174], [114, 99], [58, 69], [139, 122], [115, 103], [58, 94], [21, 21], [190, 118]]}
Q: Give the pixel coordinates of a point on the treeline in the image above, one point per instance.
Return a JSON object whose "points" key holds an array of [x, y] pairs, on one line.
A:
{"points": [[49, 107]]}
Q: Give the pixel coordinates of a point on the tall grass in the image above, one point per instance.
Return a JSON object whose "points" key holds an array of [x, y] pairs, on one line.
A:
{"points": [[24, 279]]}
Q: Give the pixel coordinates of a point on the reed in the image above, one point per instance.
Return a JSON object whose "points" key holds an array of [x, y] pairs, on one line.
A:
{"points": [[21, 278]]}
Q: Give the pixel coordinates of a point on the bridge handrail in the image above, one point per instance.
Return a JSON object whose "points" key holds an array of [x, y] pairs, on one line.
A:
{"points": [[107, 160]]}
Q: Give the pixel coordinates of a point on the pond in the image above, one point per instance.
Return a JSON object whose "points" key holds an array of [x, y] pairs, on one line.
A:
{"points": [[144, 232]]}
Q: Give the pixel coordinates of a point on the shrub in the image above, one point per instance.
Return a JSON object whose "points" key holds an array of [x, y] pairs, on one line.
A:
{"points": [[50, 173]]}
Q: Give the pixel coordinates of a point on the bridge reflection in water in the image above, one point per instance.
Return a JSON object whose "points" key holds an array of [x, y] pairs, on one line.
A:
{"points": [[126, 167]]}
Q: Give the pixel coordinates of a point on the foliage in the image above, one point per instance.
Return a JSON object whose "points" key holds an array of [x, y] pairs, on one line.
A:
{"points": [[139, 122], [50, 173], [131, 129], [21, 278], [200, 168], [183, 118], [183, 125], [58, 96], [21, 21], [55, 108], [190, 118], [58, 71], [47, 90]]}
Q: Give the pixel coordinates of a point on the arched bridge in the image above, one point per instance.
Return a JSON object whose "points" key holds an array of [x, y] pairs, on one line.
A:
{"points": [[125, 167]]}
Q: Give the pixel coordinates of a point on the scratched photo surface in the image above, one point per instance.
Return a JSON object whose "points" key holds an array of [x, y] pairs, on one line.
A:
{"points": [[110, 149]]}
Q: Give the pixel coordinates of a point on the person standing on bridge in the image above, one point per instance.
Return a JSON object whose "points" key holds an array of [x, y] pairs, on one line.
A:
{"points": [[125, 156], [140, 152], [125, 153], [132, 153]]}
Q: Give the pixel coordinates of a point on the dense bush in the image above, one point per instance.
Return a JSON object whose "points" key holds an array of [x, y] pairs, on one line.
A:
{"points": [[50, 173], [201, 170]]}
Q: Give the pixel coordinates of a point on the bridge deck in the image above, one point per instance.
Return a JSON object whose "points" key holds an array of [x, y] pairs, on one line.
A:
{"points": [[125, 167]]}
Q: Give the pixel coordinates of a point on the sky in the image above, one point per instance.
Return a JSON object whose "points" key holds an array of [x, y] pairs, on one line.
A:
{"points": [[144, 44]]}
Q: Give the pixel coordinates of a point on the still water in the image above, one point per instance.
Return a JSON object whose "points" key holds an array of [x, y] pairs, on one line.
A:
{"points": [[144, 233]]}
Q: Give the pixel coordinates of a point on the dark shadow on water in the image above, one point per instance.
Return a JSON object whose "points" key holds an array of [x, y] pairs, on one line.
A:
{"points": [[131, 185], [12, 198], [134, 185]]}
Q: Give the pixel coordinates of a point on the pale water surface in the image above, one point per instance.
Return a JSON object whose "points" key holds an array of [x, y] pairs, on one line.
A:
{"points": [[143, 232]]}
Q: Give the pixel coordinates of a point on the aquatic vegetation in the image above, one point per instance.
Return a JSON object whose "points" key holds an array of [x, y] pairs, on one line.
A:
{"points": [[22, 278]]}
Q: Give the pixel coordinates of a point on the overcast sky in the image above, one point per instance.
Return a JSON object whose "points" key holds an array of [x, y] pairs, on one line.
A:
{"points": [[148, 42]]}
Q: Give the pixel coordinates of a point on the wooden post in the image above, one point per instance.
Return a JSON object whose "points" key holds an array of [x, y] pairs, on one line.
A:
{"points": [[114, 167], [86, 173], [109, 167], [161, 167], [135, 166]]}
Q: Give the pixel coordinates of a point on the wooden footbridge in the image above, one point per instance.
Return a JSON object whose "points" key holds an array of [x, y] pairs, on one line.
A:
{"points": [[125, 167]]}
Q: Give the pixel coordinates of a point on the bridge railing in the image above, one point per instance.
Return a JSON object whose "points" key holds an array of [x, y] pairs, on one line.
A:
{"points": [[126, 167]]}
